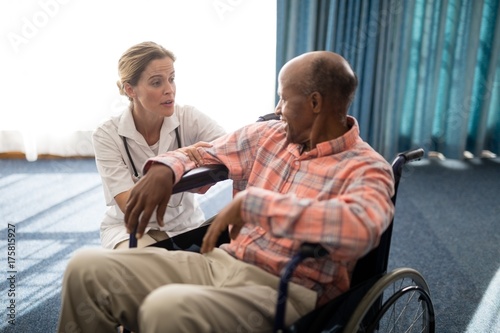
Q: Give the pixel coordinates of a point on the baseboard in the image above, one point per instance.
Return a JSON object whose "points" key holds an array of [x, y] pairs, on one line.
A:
{"points": [[20, 155]]}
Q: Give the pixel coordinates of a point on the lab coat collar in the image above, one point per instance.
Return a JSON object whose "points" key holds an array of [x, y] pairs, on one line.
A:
{"points": [[126, 128]]}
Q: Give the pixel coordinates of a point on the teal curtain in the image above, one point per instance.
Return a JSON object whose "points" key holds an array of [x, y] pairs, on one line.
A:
{"points": [[429, 70]]}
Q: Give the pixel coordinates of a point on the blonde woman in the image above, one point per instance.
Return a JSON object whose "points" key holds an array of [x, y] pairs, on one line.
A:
{"points": [[152, 124]]}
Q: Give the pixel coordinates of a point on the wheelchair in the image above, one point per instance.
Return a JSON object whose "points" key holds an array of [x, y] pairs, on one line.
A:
{"points": [[377, 301]]}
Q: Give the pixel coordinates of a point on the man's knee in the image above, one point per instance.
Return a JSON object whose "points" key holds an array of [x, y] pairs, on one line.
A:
{"points": [[91, 267], [167, 300], [109, 266], [175, 307], [81, 261]]}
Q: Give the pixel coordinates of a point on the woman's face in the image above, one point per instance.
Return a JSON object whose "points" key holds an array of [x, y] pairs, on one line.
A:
{"points": [[155, 90]]}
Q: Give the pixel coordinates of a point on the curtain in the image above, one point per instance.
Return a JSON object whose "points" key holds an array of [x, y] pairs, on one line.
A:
{"points": [[429, 70]]}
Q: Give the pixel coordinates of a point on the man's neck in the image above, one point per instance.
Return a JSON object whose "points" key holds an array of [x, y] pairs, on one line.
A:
{"points": [[305, 147], [327, 127]]}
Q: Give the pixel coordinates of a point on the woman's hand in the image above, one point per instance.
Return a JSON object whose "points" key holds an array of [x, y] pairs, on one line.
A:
{"points": [[192, 152]]}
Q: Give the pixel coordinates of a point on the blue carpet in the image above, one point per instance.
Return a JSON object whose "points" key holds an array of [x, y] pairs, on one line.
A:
{"points": [[56, 207], [446, 227]]}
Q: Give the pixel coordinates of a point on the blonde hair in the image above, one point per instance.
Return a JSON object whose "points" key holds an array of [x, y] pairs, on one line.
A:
{"points": [[133, 62]]}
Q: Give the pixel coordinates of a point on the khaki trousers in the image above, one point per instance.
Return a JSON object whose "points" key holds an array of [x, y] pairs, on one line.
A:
{"points": [[155, 290]]}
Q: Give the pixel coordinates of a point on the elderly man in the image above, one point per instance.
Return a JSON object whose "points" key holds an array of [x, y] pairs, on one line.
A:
{"points": [[306, 178]]}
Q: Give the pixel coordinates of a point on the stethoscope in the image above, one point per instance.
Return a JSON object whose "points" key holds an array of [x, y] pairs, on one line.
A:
{"points": [[136, 174], [133, 240]]}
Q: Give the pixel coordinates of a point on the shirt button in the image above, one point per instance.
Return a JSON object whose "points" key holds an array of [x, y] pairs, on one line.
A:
{"points": [[296, 162]]}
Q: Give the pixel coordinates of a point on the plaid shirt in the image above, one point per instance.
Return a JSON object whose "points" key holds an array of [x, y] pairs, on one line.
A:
{"points": [[338, 194]]}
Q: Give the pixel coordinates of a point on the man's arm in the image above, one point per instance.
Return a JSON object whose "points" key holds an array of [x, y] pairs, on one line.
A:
{"points": [[235, 150], [152, 191]]}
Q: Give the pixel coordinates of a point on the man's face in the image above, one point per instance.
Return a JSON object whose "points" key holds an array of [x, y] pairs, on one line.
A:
{"points": [[294, 107]]}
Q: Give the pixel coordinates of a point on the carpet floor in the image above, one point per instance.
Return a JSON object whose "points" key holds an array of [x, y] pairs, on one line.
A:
{"points": [[446, 226]]}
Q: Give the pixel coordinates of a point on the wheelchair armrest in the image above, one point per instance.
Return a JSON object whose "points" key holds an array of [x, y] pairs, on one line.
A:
{"points": [[201, 176], [312, 250], [306, 250], [269, 116]]}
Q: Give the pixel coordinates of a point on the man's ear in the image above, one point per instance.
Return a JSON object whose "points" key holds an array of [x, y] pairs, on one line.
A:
{"points": [[316, 101], [129, 90]]}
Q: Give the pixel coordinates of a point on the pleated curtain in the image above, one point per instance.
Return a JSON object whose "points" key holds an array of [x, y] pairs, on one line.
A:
{"points": [[429, 70]]}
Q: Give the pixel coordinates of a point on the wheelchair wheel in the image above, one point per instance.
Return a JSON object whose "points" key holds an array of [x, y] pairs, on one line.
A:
{"points": [[398, 302]]}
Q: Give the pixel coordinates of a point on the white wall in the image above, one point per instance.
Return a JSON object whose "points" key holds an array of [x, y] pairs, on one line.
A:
{"points": [[59, 63]]}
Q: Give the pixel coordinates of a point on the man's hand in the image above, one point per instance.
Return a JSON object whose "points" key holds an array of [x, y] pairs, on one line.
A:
{"points": [[152, 191], [230, 215]]}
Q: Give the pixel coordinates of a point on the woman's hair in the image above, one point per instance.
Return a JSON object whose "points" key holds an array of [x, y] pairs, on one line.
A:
{"points": [[133, 62]]}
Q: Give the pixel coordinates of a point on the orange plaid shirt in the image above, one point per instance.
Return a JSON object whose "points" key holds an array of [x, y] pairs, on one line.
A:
{"points": [[338, 194]]}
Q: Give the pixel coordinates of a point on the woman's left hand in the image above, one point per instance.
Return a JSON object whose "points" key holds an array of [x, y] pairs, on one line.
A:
{"points": [[192, 152]]}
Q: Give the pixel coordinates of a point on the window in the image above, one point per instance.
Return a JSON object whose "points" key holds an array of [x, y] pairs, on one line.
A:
{"points": [[59, 64]]}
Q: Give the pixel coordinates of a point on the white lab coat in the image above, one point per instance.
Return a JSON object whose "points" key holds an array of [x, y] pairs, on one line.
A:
{"points": [[116, 169]]}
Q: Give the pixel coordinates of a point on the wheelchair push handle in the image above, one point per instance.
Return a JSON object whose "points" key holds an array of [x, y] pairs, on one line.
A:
{"points": [[413, 155]]}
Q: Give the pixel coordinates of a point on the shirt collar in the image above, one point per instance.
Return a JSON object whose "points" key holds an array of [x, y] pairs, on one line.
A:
{"points": [[126, 126], [343, 143]]}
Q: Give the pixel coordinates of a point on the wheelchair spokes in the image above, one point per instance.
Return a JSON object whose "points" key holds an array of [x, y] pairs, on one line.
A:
{"points": [[405, 309], [398, 302]]}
